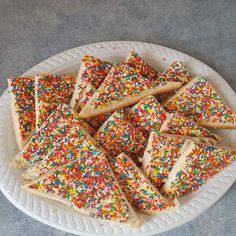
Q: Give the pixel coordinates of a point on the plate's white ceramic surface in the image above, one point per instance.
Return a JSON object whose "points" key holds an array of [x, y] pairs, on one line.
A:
{"points": [[67, 219]]}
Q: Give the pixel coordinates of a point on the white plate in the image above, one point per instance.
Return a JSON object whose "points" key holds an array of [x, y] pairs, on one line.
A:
{"points": [[67, 219]]}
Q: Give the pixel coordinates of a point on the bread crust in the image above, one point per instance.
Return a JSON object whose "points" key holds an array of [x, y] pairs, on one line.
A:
{"points": [[89, 112]]}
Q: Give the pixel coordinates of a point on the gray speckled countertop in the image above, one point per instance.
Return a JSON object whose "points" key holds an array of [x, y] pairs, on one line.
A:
{"points": [[31, 31]]}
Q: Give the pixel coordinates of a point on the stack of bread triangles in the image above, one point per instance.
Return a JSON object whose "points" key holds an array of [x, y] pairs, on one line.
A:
{"points": [[121, 139]]}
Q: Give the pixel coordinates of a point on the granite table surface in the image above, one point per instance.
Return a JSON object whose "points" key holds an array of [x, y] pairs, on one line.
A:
{"points": [[31, 31]]}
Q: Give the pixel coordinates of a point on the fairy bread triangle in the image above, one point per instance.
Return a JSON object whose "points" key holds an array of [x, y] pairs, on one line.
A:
{"points": [[51, 90], [91, 74], [179, 125], [50, 133], [88, 185], [21, 90], [199, 101], [160, 156], [136, 61], [72, 145], [117, 134], [142, 195], [122, 87], [196, 165], [176, 72], [147, 115]]}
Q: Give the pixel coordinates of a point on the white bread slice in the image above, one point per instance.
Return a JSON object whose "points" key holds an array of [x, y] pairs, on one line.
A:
{"points": [[176, 72], [198, 100], [196, 165], [122, 87], [91, 74], [160, 156], [179, 125], [117, 134], [147, 115], [87, 184], [23, 108], [179, 165], [77, 142], [50, 133], [136, 61], [139, 191], [50, 91]]}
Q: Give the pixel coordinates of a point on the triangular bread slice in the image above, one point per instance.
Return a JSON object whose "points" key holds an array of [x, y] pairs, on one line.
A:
{"points": [[51, 90], [21, 90], [89, 186], [160, 156], [176, 72], [122, 87], [91, 74], [136, 61], [197, 164], [50, 133], [117, 134], [199, 101], [142, 195], [75, 143], [147, 115], [179, 125]]}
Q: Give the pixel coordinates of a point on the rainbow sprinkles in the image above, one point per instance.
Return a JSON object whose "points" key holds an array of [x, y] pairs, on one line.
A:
{"points": [[139, 155], [122, 87], [199, 101], [23, 108]]}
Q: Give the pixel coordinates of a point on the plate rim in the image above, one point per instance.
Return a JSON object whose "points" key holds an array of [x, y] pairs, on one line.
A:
{"points": [[82, 48]]}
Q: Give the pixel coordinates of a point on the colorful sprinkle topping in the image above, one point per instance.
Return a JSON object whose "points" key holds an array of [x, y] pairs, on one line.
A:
{"points": [[22, 93], [93, 74], [141, 66], [50, 91], [121, 82], [138, 190], [117, 135], [176, 72], [76, 143], [96, 70], [160, 156], [200, 102], [180, 125], [148, 115], [53, 130], [201, 164], [88, 184]]}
